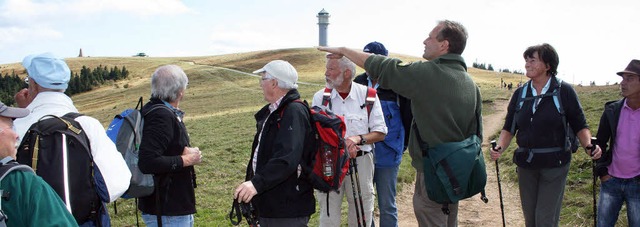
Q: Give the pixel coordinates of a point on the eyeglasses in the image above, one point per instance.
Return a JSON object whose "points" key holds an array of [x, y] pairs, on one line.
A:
{"points": [[266, 78]]}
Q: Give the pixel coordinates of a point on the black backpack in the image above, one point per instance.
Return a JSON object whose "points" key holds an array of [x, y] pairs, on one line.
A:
{"points": [[571, 141], [5, 169], [58, 150]]}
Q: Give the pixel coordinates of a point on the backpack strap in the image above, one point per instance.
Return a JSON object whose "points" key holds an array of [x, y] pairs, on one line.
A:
{"points": [[370, 99], [155, 107], [557, 101], [281, 113], [326, 97], [522, 98], [7, 166], [140, 104], [77, 132], [523, 93]]}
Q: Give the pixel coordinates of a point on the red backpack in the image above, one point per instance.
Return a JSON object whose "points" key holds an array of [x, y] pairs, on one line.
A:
{"points": [[329, 130], [328, 144]]}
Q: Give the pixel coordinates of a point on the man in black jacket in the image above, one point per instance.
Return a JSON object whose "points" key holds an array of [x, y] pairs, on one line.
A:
{"points": [[619, 169], [166, 153], [274, 183]]}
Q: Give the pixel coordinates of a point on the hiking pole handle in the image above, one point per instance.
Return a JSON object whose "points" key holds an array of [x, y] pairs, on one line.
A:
{"points": [[493, 147], [594, 140]]}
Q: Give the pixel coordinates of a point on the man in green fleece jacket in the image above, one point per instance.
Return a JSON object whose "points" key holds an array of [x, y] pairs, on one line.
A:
{"points": [[444, 99]]}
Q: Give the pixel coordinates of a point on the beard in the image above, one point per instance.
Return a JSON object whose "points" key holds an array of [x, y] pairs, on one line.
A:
{"points": [[334, 83]]}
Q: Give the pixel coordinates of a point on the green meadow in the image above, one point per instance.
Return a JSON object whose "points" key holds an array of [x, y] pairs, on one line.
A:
{"points": [[221, 99]]}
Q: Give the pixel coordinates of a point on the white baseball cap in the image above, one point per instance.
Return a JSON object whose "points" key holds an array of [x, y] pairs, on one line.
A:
{"points": [[281, 70]]}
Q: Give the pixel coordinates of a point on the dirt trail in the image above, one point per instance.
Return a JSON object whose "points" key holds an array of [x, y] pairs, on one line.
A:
{"points": [[472, 211]]}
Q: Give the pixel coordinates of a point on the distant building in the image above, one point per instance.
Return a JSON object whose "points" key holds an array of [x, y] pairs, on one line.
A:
{"points": [[141, 54], [80, 55], [323, 24]]}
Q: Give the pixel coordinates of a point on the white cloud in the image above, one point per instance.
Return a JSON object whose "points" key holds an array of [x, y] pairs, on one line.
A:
{"points": [[24, 23], [137, 7], [15, 35], [252, 37], [28, 10], [19, 12]]}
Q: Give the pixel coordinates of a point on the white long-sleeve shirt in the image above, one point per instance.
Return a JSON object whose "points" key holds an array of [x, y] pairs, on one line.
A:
{"points": [[354, 113]]}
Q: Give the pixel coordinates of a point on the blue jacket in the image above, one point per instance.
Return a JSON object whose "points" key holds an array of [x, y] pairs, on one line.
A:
{"points": [[397, 116]]}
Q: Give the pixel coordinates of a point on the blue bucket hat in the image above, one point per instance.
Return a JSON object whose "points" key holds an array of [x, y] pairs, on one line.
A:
{"points": [[47, 70], [376, 48]]}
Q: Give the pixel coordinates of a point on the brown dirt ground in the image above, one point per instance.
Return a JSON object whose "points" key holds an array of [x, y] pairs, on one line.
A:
{"points": [[472, 211]]}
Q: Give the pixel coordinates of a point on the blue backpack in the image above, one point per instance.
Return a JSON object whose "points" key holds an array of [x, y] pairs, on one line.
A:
{"points": [[125, 130]]}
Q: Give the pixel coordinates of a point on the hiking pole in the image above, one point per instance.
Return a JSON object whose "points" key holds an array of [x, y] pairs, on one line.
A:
{"points": [[493, 146], [364, 218], [353, 187], [594, 140]]}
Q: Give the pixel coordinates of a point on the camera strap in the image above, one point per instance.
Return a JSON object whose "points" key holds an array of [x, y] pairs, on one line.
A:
{"points": [[235, 213]]}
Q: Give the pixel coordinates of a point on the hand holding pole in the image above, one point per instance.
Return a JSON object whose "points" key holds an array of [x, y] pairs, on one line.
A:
{"points": [[493, 147]]}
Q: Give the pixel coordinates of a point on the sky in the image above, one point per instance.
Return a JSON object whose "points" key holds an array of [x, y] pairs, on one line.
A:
{"points": [[594, 39]]}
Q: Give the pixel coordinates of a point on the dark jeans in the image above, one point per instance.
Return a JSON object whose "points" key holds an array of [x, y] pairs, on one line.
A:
{"points": [[385, 179], [613, 193]]}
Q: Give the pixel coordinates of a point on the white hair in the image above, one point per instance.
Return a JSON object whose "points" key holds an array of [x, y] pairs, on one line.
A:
{"points": [[167, 82], [345, 64], [285, 85]]}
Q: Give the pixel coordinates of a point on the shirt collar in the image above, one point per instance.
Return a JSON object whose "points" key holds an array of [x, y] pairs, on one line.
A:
{"points": [[177, 111], [6, 160], [274, 106], [371, 83], [544, 89], [626, 106]]}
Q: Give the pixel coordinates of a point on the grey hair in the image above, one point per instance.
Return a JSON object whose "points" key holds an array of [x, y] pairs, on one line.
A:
{"points": [[285, 85], [345, 64], [167, 82]]}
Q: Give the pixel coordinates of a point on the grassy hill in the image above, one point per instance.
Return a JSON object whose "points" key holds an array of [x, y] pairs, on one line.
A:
{"points": [[220, 102]]}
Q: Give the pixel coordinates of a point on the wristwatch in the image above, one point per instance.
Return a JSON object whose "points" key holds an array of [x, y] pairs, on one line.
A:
{"points": [[363, 141]]}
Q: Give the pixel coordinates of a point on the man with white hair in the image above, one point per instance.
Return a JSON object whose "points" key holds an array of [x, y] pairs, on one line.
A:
{"points": [[48, 78], [274, 184], [363, 129], [165, 152]]}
